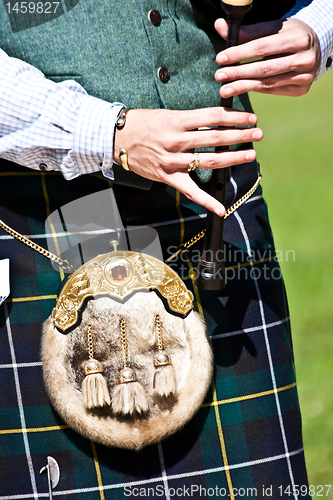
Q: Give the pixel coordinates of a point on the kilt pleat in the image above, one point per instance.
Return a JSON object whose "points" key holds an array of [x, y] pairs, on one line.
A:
{"points": [[246, 439]]}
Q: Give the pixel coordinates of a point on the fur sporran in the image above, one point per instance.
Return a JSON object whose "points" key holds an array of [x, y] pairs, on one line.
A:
{"points": [[126, 360]]}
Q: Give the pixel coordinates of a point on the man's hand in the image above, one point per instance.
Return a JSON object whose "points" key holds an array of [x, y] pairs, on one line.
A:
{"points": [[286, 53], [160, 145]]}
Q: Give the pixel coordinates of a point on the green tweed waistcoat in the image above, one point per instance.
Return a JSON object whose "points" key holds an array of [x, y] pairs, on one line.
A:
{"points": [[115, 52]]}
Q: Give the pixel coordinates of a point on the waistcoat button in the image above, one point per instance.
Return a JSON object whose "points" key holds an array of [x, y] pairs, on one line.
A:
{"points": [[164, 74], [328, 62], [154, 17]]}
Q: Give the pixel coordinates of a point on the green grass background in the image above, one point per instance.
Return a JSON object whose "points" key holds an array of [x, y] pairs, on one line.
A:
{"points": [[296, 157]]}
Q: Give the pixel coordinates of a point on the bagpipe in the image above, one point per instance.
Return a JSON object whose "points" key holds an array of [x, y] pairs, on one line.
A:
{"points": [[210, 270], [210, 273], [261, 10]]}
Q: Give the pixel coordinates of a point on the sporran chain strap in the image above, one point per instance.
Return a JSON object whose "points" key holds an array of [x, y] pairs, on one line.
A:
{"points": [[185, 246], [124, 342], [23, 239], [182, 248], [90, 342]]}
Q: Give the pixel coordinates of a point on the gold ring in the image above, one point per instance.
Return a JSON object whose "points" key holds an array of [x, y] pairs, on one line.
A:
{"points": [[123, 159], [194, 163]]}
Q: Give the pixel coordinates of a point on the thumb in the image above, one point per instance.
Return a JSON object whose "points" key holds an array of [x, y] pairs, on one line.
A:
{"points": [[252, 32], [221, 27]]}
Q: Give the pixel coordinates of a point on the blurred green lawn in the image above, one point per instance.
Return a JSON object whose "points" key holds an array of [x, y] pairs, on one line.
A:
{"points": [[296, 158]]}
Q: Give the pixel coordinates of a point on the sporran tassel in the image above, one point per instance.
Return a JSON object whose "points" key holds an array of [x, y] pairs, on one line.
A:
{"points": [[95, 391], [128, 396], [165, 378]]}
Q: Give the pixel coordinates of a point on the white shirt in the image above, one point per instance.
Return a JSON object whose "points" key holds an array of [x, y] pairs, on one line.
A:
{"points": [[318, 14], [58, 126], [53, 126]]}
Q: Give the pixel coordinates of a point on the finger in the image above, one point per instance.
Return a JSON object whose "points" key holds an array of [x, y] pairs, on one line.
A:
{"points": [[259, 69], [221, 27], [302, 63], [219, 159], [215, 117], [287, 90], [268, 85], [216, 137], [191, 190], [282, 43]]}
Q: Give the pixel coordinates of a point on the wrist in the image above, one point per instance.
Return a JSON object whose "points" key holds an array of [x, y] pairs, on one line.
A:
{"points": [[118, 135]]}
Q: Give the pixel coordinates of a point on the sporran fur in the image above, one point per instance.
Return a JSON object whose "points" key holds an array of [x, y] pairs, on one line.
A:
{"points": [[127, 333]]}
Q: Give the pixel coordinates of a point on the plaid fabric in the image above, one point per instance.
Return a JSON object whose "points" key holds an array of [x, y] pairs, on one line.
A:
{"points": [[244, 442]]}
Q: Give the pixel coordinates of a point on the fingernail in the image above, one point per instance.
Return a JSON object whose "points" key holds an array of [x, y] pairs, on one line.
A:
{"points": [[257, 135], [219, 211], [221, 59], [250, 156], [227, 91], [221, 76], [253, 119]]}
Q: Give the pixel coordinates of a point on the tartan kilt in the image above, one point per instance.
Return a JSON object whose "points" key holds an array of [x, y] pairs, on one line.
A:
{"points": [[245, 441]]}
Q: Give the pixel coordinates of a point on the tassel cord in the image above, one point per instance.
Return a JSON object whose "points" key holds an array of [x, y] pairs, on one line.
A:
{"points": [[164, 382], [128, 396], [90, 343], [95, 391], [124, 342], [159, 333]]}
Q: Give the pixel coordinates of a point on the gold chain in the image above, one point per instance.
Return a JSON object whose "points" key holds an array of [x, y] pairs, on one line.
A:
{"points": [[62, 263], [159, 332], [182, 248], [185, 246], [90, 343], [124, 341], [244, 198]]}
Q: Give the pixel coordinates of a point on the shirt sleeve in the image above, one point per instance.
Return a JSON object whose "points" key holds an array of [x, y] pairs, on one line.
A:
{"points": [[53, 126], [318, 14]]}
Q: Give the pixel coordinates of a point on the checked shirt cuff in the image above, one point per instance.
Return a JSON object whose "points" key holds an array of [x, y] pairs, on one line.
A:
{"points": [[93, 136], [318, 15]]}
